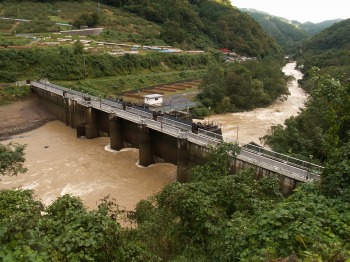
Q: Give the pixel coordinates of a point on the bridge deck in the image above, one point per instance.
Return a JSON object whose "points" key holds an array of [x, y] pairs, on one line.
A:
{"points": [[299, 170]]}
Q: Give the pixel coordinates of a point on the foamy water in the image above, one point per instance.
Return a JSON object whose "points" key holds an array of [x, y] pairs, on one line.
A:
{"points": [[60, 163], [252, 125]]}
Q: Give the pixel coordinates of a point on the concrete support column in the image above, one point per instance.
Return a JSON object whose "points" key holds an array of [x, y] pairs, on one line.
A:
{"points": [[69, 111], [115, 132], [91, 129], [72, 111], [145, 146], [182, 160], [66, 110]]}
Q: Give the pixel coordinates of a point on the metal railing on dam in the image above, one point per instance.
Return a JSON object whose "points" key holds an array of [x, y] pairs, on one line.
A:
{"points": [[282, 164]]}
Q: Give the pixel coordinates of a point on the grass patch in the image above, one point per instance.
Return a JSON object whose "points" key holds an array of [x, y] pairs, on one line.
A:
{"points": [[13, 93], [112, 86], [44, 15]]}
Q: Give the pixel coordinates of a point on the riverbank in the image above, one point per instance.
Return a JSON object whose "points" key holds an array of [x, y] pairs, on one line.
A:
{"points": [[252, 125], [23, 116]]}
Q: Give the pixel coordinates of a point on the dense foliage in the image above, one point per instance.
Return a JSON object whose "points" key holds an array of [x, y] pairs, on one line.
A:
{"points": [[242, 86], [214, 217], [334, 37], [13, 93], [69, 63], [64, 231]]}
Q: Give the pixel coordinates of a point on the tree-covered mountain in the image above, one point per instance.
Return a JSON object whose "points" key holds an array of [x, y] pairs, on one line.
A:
{"points": [[288, 34], [186, 24], [204, 24], [336, 37], [329, 51], [314, 28]]}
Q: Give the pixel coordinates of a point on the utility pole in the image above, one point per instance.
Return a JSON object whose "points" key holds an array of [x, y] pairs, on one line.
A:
{"points": [[98, 6], [84, 64], [209, 114], [308, 170]]}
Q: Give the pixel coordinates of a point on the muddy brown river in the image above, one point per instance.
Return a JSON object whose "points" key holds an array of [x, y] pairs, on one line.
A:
{"points": [[59, 163]]}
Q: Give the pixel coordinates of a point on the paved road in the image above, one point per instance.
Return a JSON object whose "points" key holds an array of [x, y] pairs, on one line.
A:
{"points": [[304, 174]]}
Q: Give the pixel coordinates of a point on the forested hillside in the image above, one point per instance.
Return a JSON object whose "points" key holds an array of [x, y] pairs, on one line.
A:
{"points": [[314, 28], [206, 22], [288, 34], [187, 24], [335, 37], [329, 51]]}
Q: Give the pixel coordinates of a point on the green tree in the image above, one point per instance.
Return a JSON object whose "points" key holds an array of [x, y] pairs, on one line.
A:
{"points": [[12, 159], [64, 231], [78, 48], [307, 223], [218, 164], [73, 233], [87, 19], [336, 176], [244, 85], [19, 222]]}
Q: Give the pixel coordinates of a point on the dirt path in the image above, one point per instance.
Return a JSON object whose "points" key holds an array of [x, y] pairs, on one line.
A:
{"points": [[22, 116]]}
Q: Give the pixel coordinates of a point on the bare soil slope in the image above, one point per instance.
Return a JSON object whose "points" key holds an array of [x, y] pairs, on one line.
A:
{"points": [[22, 116]]}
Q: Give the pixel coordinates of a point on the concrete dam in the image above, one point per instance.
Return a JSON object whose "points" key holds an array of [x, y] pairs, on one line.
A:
{"points": [[161, 139]]}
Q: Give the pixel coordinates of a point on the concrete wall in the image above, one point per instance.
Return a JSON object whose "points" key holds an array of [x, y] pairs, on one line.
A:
{"points": [[164, 147], [287, 184], [130, 134], [53, 102], [103, 123]]}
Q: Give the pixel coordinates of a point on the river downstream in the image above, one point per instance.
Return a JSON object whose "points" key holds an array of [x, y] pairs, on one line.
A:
{"points": [[59, 163]]}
